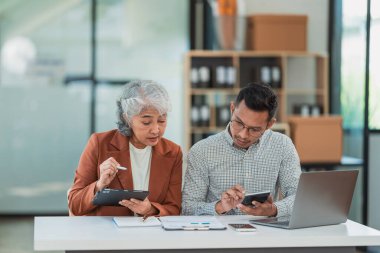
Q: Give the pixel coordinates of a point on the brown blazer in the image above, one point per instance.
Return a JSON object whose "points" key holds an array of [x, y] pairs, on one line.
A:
{"points": [[164, 183]]}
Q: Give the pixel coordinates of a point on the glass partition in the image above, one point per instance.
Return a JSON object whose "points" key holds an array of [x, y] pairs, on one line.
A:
{"points": [[354, 14], [45, 115], [45, 85], [374, 74], [141, 40]]}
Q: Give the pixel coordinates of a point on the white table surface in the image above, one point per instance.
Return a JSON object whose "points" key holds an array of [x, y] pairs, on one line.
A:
{"points": [[101, 233]]}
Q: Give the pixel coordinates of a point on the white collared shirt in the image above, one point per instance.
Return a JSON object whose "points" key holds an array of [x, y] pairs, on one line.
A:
{"points": [[215, 165]]}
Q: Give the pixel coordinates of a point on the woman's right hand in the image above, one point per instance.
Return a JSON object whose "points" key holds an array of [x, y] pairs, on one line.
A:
{"points": [[108, 172]]}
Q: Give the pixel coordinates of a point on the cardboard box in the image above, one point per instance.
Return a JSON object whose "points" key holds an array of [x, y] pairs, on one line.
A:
{"points": [[317, 139], [277, 32]]}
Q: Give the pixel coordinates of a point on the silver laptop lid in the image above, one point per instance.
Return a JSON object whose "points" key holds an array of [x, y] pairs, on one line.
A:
{"points": [[323, 198]]}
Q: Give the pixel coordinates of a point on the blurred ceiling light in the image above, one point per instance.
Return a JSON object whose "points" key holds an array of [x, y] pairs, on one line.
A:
{"points": [[17, 53]]}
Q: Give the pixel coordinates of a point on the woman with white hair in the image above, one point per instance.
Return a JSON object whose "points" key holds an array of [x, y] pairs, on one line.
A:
{"points": [[153, 163]]}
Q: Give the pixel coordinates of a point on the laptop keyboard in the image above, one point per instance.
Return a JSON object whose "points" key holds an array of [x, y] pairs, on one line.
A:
{"points": [[283, 221]]}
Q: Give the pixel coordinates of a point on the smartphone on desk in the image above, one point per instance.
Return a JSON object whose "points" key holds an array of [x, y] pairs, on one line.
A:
{"points": [[242, 227], [258, 196]]}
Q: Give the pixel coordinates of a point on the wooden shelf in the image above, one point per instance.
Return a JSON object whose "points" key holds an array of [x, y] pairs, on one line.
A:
{"points": [[206, 129], [247, 65], [207, 91], [302, 91], [252, 53], [228, 91], [280, 127]]}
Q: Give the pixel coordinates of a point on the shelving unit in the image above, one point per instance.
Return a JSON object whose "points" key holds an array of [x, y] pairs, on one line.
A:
{"points": [[303, 80]]}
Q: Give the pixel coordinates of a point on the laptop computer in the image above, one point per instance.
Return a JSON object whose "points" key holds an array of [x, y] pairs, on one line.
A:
{"points": [[322, 198]]}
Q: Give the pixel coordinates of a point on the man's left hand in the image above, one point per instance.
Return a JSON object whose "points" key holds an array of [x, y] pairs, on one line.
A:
{"points": [[260, 209]]}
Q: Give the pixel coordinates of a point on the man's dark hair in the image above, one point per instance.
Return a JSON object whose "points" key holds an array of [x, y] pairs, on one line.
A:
{"points": [[258, 97]]}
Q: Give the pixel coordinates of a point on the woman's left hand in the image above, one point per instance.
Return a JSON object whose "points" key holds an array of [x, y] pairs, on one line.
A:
{"points": [[140, 207]]}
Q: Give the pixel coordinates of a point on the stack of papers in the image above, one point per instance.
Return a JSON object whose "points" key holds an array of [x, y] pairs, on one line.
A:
{"points": [[137, 222], [191, 223]]}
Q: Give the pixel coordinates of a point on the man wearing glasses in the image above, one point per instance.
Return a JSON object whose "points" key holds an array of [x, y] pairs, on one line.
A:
{"points": [[247, 157]]}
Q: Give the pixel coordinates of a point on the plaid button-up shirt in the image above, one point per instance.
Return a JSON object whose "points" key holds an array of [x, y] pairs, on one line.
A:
{"points": [[215, 165]]}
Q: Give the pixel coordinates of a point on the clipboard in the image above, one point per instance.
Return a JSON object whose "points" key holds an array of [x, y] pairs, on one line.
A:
{"points": [[111, 197], [191, 223]]}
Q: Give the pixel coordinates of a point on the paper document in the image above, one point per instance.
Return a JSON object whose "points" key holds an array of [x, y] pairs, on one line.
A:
{"points": [[191, 223], [137, 222]]}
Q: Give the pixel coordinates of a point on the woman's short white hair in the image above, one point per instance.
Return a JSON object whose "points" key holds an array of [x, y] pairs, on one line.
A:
{"points": [[137, 96]]}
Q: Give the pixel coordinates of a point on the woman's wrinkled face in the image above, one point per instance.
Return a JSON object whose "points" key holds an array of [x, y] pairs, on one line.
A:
{"points": [[147, 128]]}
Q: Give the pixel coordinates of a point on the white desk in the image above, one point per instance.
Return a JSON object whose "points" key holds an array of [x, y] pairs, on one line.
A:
{"points": [[100, 234]]}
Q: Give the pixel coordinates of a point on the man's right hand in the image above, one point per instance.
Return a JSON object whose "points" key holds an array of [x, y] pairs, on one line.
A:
{"points": [[230, 199], [108, 172]]}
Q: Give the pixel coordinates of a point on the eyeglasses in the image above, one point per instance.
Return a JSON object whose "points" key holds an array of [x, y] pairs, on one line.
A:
{"points": [[252, 131]]}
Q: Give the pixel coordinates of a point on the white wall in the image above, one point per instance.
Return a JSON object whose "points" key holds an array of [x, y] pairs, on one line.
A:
{"points": [[316, 10]]}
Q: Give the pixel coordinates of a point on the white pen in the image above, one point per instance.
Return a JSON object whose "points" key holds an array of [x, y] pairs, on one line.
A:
{"points": [[121, 168]]}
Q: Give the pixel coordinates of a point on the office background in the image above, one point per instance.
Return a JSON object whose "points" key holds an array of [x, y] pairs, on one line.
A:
{"points": [[63, 64]]}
